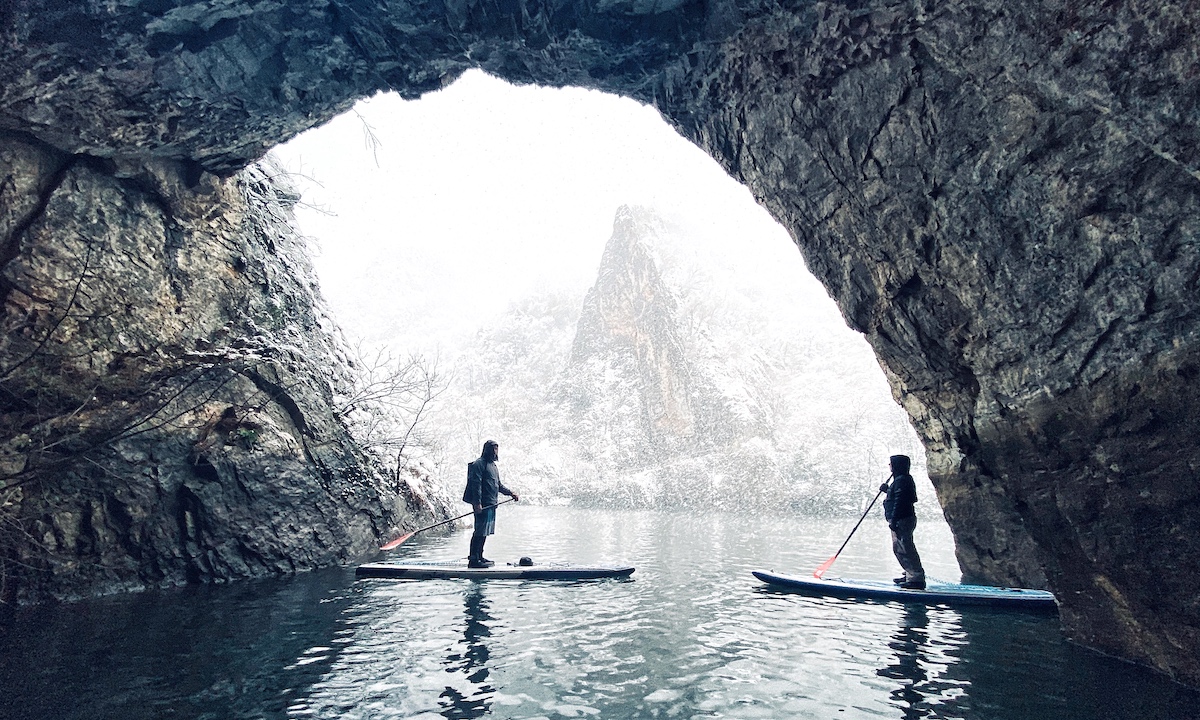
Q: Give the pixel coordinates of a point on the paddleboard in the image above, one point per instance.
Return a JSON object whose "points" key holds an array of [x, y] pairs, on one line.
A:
{"points": [[936, 593], [511, 571]]}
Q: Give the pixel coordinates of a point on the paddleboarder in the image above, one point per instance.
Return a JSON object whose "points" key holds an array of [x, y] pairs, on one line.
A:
{"points": [[483, 493], [901, 518]]}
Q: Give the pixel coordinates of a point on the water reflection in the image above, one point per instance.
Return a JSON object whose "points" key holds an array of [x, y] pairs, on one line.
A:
{"points": [[471, 661], [691, 635], [247, 650], [909, 643]]}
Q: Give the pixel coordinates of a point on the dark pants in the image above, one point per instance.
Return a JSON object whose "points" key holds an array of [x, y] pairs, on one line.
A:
{"points": [[477, 547], [485, 524], [905, 549]]}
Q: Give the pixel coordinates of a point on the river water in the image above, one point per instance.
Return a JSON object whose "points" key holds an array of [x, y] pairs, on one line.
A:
{"points": [[691, 634]]}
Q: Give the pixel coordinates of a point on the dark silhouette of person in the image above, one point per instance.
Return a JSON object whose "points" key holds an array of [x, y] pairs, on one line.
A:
{"points": [[472, 661], [901, 518], [483, 492], [909, 642]]}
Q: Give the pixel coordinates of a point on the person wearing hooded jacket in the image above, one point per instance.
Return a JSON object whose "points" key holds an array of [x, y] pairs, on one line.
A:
{"points": [[483, 493], [901, 518]]}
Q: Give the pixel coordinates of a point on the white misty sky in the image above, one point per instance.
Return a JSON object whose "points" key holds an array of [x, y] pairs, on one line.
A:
{"points": [[431, 216], [484, 192]]}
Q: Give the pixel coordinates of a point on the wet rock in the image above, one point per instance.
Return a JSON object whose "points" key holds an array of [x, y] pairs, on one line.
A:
{"points": [[168, 388]]}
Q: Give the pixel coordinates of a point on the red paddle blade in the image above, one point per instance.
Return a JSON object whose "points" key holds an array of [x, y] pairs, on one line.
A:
{"points": [[823, 567], [396, 543]]}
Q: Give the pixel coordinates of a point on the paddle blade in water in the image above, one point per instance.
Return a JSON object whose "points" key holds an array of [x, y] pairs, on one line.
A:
{"points": [[824, 566], [397, 542]]}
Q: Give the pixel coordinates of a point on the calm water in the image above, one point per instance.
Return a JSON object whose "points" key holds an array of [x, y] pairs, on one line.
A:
{"points": [[692, 634]]}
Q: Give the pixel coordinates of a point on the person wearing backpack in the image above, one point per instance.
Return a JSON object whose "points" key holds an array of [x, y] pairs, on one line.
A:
{"points": [[483, 493], [901, 518]]}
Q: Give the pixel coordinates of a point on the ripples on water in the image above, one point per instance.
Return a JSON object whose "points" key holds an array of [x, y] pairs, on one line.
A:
{"points": [[691, 634]]}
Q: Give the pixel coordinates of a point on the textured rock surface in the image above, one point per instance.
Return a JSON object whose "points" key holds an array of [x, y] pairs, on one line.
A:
{"points": [[628, 331], [1012, 221], [168, 384], [1004, 199], [642, 394]]}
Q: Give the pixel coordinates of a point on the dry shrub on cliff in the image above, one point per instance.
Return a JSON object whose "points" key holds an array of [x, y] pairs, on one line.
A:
{"points": [[388, 403]]}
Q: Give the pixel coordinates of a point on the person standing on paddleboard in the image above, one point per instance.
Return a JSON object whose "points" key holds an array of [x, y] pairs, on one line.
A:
{"points": [[483, 492], [901, 518]]}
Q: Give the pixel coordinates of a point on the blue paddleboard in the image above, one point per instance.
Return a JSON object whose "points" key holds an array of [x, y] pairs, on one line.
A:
{"points": [[936, 593]]}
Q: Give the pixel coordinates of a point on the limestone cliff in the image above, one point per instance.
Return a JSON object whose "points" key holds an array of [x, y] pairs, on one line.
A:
{"points": [[1002, 197], [168, 384], [627, 336], [629, 333], [642, 394]]}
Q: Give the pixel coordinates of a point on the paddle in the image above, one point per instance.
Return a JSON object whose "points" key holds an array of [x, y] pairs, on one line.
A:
{"points": [[825, 565], [400, 540]]}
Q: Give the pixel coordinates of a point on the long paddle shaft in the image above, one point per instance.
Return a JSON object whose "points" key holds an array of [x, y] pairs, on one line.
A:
{"points": [[400, 540], [825, 565]]}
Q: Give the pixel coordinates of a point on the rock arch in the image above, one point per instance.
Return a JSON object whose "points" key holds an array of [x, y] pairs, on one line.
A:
{"points": [[1004, 200]]}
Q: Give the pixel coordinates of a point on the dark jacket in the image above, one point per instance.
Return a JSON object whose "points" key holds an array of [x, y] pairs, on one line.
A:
{"points": [[483, 483], [901, 496]]}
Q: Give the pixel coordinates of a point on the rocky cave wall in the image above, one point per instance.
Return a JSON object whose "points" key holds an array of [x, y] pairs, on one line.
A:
{"points": [[169, 384], [1003, 199]]}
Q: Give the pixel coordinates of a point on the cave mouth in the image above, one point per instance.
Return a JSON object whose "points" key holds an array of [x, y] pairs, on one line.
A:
{"points": [[415, 205], [1026, 176]]}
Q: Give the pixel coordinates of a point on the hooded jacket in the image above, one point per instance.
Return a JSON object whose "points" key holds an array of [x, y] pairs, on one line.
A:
{"points": [[902, 493], [483, 480]]}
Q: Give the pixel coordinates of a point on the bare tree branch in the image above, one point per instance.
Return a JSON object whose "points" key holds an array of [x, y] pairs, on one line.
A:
{"points": [[83, 274], [388, 402]]}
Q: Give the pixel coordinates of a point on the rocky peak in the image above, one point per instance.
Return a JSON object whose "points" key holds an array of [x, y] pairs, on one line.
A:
{"points": [[637, 369], [628, 341]]}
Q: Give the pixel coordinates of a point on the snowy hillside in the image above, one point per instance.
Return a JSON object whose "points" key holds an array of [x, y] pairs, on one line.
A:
{"points": [[680, 379]]}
